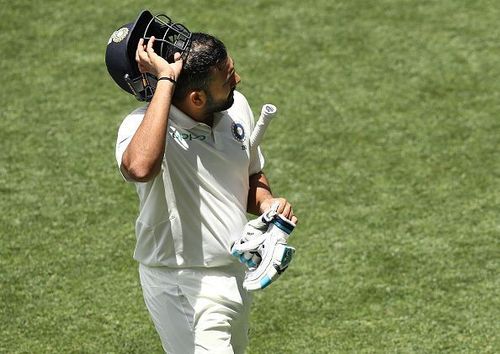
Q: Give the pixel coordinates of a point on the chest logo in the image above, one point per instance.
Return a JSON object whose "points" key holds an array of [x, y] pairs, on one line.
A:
{"points": [[238, 131]]}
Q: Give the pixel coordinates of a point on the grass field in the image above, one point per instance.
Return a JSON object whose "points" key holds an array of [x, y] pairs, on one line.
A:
{"points": [[387, 145]]}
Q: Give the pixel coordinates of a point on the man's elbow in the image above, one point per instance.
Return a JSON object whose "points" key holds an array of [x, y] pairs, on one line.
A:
{"points": [[138, 172]]}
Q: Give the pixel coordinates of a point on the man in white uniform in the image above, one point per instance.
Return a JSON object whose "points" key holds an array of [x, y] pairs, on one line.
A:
{"points": [[187, 152]]}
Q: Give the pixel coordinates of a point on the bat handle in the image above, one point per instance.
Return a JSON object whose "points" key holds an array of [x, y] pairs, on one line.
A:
{"points": [[268, 109], [267, 113]]}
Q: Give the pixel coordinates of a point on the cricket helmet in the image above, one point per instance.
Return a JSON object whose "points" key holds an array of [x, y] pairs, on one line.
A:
{"points": [[170, 38]]}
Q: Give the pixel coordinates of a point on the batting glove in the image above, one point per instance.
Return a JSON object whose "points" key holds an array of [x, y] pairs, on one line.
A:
{"points": [[275, 253], [253, 235]]}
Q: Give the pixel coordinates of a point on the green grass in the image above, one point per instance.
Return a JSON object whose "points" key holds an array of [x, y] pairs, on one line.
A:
{"points": [[387, 144]]}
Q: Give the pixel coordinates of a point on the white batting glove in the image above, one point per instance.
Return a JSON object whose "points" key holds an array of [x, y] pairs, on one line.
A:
{"points": [[253, 235], [275, 253]]}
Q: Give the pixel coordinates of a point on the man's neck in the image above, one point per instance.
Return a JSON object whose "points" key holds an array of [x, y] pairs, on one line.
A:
{"points": [[195, 114]]}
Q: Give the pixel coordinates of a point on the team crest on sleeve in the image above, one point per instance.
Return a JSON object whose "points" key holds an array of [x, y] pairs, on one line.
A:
{"points": [[238, 131]]}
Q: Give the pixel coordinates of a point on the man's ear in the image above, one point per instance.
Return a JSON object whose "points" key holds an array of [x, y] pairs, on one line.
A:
{"points": [[198, 98]]}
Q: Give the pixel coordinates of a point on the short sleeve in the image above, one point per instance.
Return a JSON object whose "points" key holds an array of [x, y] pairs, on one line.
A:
{"points": [[126, 131]]}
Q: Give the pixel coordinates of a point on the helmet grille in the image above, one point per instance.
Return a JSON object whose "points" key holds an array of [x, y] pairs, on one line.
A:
{"points": [[170, 37]]}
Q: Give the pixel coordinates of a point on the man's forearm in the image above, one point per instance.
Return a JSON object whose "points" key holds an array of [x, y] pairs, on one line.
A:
{"points": [[258, 192], [142, 158]]}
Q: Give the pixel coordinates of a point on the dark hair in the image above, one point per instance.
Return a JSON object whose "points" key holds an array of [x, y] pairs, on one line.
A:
{"points": [[205, 54]]}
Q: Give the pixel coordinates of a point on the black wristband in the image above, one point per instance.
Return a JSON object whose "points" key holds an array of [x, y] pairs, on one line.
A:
{"points": [[168, 79]]}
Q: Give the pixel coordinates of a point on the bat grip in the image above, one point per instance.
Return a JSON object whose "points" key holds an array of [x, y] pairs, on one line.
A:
{"points": [[267, 113]]}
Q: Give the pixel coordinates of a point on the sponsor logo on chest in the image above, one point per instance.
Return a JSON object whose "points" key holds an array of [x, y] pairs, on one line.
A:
{"points": [[184, 137], [181, 136]]}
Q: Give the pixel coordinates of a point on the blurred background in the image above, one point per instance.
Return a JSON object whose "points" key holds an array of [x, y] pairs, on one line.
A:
{"points": [[387, 144]]}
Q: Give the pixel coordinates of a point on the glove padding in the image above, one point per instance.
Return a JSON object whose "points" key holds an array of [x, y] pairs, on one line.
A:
{"points": [[253, 235], [263, 248], [275, 253]]}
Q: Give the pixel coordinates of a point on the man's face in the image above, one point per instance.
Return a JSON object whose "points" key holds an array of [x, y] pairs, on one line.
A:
{"points": [[221, 89]]}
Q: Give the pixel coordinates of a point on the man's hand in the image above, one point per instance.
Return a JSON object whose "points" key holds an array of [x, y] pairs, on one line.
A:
{"points": [[150, 62], [284, 208]]}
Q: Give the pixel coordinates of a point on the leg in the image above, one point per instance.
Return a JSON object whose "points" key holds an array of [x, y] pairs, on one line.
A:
{"points": [[171, 313], [221, 308]]}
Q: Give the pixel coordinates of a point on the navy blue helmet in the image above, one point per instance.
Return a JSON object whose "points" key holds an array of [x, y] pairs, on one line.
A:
{"points": [[170, 37]]}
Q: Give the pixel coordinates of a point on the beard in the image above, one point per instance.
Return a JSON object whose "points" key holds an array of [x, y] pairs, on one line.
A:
{"points": [[214, 107]]}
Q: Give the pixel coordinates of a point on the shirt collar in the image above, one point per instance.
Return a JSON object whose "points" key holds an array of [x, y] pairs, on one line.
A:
{"points": [[182, 119]]}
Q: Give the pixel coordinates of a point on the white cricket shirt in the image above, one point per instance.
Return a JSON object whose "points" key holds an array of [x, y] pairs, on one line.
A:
{"points": [[195, 208]]}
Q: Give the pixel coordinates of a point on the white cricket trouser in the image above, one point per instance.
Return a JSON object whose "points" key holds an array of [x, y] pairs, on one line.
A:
{"points": [[198, 310]]}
